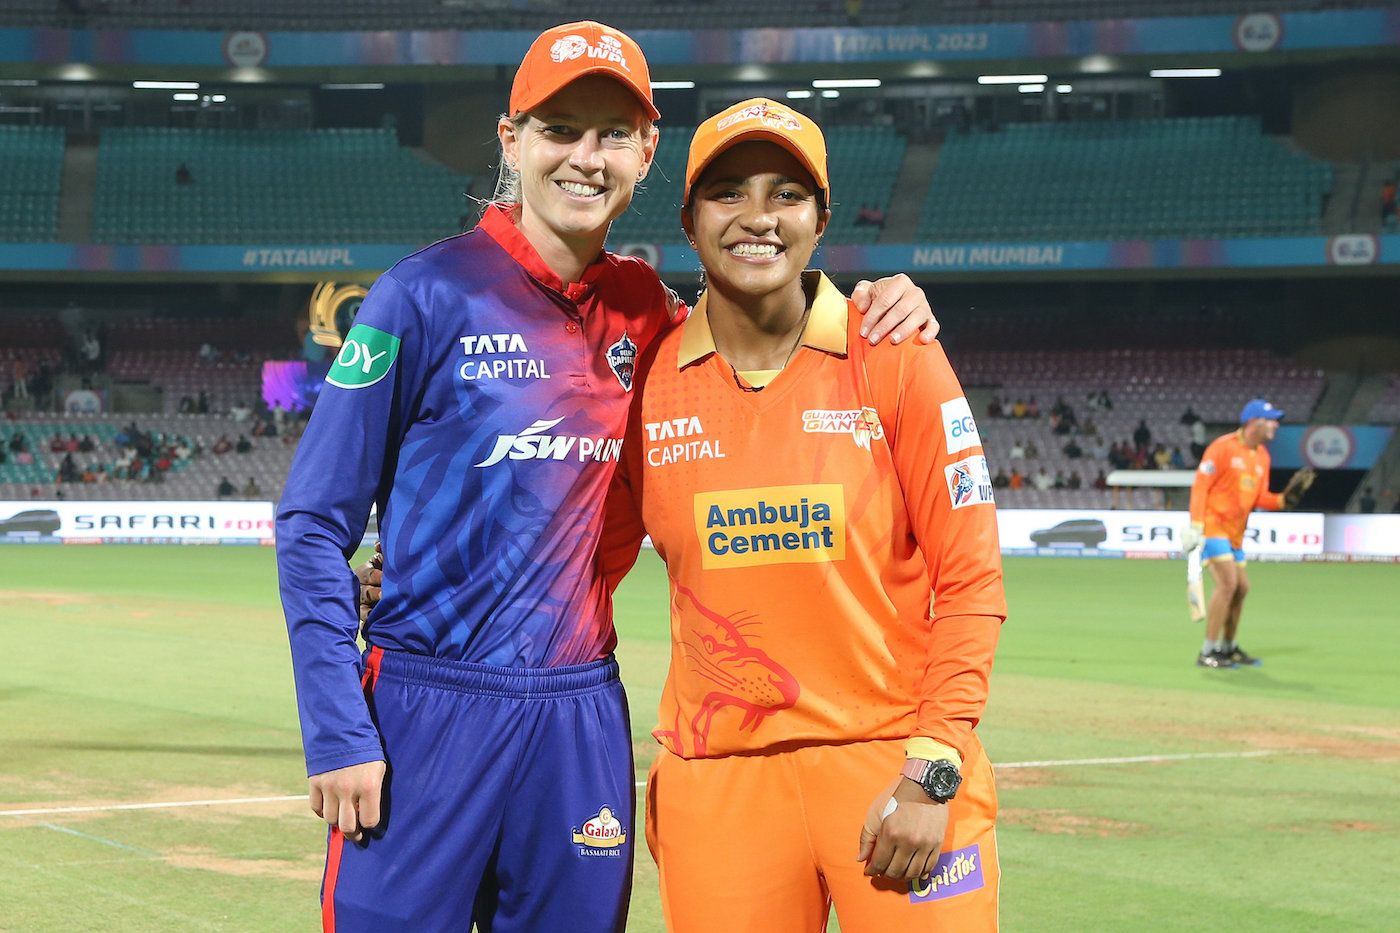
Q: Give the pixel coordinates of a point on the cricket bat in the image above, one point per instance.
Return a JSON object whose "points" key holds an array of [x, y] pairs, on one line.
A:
{"points": [[1195, 587]]}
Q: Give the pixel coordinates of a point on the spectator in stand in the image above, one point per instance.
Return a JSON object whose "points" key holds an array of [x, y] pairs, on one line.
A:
{"points": [[1142, 434], [240, 411], [1018, 451], [68, 470], [1161, 460], [91, 352], [1018, 408], [1177, 461], [1074, 482], [17, 442], [1032, 408], [1140, 459], [208, 355], [1043, 480], [870, 216], [57, 445], [251, 490], [4, 457], [186, 406], [19, 388], [1387, 200], [1017, 480], [225, 488], [1367, 504], [1198, 440], [222, 446], [72, 445], [24, 457], [89, 474], [1088, 428], [201, 405], [1001, 480], [1120, 457], [1189, 417], [994, 408], [244, 445], [1032, 451], [1072, 450], [1101, 481], [1098, 450], [87, 445], [183, 175], [1061, 481]]}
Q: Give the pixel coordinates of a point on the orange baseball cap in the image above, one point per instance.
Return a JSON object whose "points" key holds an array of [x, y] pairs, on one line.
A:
{"points": [[759, 118], [562, 55]]}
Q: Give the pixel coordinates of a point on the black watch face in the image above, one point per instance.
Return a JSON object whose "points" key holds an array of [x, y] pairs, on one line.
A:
{"points": [[942, 780]]}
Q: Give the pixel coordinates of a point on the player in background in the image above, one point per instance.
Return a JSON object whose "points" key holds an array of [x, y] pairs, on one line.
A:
{"points": [[475, 764], [1232, 481], [811, 497]]}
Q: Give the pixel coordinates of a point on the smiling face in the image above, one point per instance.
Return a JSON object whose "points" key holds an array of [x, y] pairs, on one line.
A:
{"points": [[755, 219], [579, 156]]}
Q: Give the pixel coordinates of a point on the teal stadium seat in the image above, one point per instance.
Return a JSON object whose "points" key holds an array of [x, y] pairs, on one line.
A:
{"points": [[271, 186], [32, 157], [1195, 177]]}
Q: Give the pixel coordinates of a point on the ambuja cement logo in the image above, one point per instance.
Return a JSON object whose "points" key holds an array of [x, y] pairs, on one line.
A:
{"points": [[364, 358]]}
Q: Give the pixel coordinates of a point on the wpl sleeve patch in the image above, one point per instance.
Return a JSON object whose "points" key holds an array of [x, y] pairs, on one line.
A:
{"points": [[364, 358], [969, 482]]}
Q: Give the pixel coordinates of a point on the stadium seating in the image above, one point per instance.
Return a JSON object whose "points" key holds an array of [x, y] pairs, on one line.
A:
{"points": [[1148, 384], [195, 479], [29, 184], [863, 161], [321, 15], [1183, 177], [282, 186], [1386, 409]]}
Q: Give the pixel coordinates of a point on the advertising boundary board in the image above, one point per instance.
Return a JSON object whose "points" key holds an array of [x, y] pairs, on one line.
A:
{"points": [[1088, 533]]}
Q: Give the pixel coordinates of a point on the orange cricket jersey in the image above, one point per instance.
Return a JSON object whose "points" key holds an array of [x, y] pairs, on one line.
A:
{"points": [[1231, 482], [804, 529]]}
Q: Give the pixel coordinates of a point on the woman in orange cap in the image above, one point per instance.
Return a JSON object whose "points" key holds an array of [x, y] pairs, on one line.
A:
{"points": [[475, 764], [825, 512]]}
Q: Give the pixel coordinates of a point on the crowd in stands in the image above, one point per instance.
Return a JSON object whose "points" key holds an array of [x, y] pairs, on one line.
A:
{"points": [[135, 456], [1084, 441]]}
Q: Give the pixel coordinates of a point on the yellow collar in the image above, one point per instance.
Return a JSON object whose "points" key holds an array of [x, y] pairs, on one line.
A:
{"points": [[825, 330]]}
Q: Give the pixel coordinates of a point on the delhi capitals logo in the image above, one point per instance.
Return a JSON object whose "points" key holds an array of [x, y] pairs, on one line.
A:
{"points": [[622, 359], [962, 485]]}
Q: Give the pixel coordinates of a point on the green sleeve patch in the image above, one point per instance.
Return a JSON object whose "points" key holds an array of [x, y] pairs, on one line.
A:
{"points": [[364, 358]]}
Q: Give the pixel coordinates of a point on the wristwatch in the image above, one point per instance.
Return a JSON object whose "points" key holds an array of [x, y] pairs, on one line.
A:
{"points": [[939, 779]]}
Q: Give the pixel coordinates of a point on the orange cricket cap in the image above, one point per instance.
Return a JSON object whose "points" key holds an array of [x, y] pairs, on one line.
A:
{"points": [[566, 53], [759, 118]]}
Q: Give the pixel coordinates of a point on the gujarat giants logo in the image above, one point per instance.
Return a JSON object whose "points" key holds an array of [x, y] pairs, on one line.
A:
{"points": [[364, 358], [568, 48]]}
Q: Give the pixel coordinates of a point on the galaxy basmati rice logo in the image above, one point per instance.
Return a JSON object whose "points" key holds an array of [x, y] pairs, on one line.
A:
{"points": [[956, 872], [772, 117]]}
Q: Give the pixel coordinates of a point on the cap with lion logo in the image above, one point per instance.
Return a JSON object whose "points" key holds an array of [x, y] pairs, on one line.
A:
{"points": [[764, 119], [562, 55]]}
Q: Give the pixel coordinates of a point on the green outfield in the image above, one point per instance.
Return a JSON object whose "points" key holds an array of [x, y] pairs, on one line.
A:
{"points": [[151, 675]]}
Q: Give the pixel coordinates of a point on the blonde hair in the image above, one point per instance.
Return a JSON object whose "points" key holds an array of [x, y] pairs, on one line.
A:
{"points": [[507, 191]]}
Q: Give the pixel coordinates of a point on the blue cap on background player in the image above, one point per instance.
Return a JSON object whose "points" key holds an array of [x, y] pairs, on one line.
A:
{"points": [[1259, 408]]}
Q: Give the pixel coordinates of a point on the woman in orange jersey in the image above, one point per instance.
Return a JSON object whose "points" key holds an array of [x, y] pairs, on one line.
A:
{"points": [[825, 512]]}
